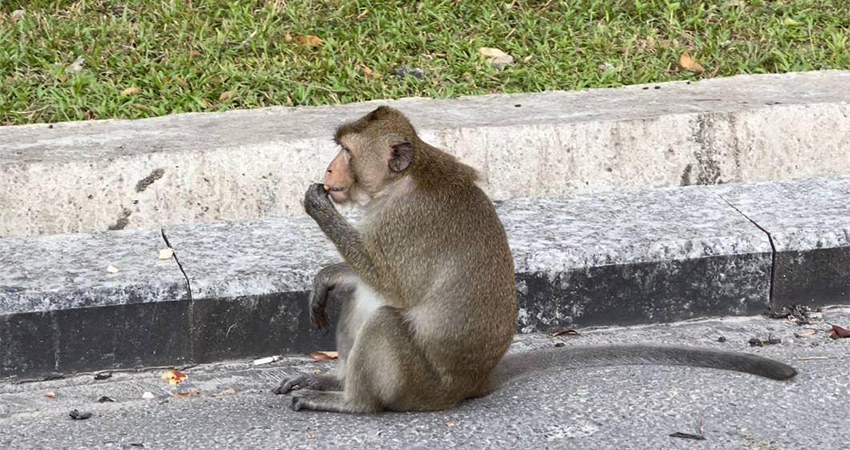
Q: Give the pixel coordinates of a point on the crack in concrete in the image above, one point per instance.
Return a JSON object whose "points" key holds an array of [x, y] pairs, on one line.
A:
{"points": [[180, 266], [772, 248]]}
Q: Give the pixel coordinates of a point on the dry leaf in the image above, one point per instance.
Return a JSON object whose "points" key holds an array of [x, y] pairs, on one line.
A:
{"points": [[130, 91], [112, 269], [450, 424], [287, 37], [174, 376], [193, 53], [806, 332], [489, 52], [141, 107], [228, 391], [568, 331], [50, 394], [76, 66], [166, 253], [840, 332], [226, 95], [147, 396], [528, 58], [321, 356], [307, 40], [363, 14], [17, 15], [369, 73], [688, 63], [186, 394], [62, 78], [317, 372], [180, 81]]}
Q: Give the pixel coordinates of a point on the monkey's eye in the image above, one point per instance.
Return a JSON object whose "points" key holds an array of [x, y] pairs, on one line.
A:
{"points": [[346, 150]]}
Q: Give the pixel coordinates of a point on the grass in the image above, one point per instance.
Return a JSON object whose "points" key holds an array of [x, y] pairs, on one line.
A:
{"points": [[213, 55]]}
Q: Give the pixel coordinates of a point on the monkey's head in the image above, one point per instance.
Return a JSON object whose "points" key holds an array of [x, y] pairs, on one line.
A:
{"points": [[375, 151]]}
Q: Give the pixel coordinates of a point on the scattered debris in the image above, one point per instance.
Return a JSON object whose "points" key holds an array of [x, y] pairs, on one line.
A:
{"points": [[756, 342], [76, 66], [696, 437], [147, 396], [76, 415], [50, 394], [568, 331], [450, 424], [404, 71], [174, 376], [225, 392], [130, 91], [307, 40], [321, 356], [839, 332], [721, 339], [187, 394], [226, 95], [688, 63], [495, 57], [559, 344], [112, 269], [269, 360], [806, 332], [105, 399], [103, 376], [166, 253], [814, 358], [793, 313], [369, 73]]}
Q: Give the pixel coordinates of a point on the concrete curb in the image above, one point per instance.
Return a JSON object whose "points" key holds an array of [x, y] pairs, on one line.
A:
{"points": [[238, 289], [95, 176]]}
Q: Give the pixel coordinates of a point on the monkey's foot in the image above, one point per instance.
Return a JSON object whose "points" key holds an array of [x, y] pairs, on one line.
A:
{"points": [[315, 382], [308, 399]]}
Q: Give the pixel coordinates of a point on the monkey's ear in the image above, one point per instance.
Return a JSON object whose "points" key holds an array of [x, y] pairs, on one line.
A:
{"points": [[401, 156]]}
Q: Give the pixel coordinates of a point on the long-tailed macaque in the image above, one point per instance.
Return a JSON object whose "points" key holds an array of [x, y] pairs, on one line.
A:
{"points": [[431, 303]]}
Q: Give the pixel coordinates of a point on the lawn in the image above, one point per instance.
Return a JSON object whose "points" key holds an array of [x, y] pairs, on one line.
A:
{"points": [[75, 60]]}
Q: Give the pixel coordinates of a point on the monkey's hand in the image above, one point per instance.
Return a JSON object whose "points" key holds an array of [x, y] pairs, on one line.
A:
{"points": [[329, 278], [317, 201]]}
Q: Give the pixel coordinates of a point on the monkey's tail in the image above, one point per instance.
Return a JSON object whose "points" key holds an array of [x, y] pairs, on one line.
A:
{"points": [[514, 365]]}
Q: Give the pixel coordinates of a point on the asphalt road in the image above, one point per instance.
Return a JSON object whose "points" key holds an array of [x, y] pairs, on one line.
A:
{"points": [[625, 407]]}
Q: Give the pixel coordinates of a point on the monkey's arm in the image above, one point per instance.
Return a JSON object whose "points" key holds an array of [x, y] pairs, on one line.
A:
{"points": [[330, 278], [345, 237]]}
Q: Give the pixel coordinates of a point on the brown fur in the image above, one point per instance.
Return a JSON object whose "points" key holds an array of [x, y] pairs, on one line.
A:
{"points": [[433, 249]]}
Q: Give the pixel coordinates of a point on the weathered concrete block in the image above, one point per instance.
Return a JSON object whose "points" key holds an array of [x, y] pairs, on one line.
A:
{"points": [[650, 256], [62, 311], [809, 225], [94, 176]]}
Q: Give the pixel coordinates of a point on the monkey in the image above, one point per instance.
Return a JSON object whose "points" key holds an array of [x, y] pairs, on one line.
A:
{"points": [[427, 287]]}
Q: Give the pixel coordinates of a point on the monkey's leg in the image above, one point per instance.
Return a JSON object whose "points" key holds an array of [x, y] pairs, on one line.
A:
{"points": [[386, 369]]}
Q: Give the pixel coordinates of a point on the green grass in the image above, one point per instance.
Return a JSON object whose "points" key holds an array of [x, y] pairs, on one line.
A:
{"points": [[183, 54]]}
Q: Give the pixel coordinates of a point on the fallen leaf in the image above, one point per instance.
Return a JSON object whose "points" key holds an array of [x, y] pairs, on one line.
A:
{"points": [[228, 391], [50, 394], [491, 52], [369, 73], [62, 78], [112, 269], [141, 106], [130, 91], [174, 376], [180, 81], [166, 253], [76, 66], [688, 63], [568, 331], [17, 15], [103, 376], [806, 332], [105, 399], [307, 40], [363, 14], [147, 396], [317, 372], [528, 58], [840, 331], [187, 394], [76, 415], [287, 37], [321, 356], [450, 424], [226, 95], [193, 53]]}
